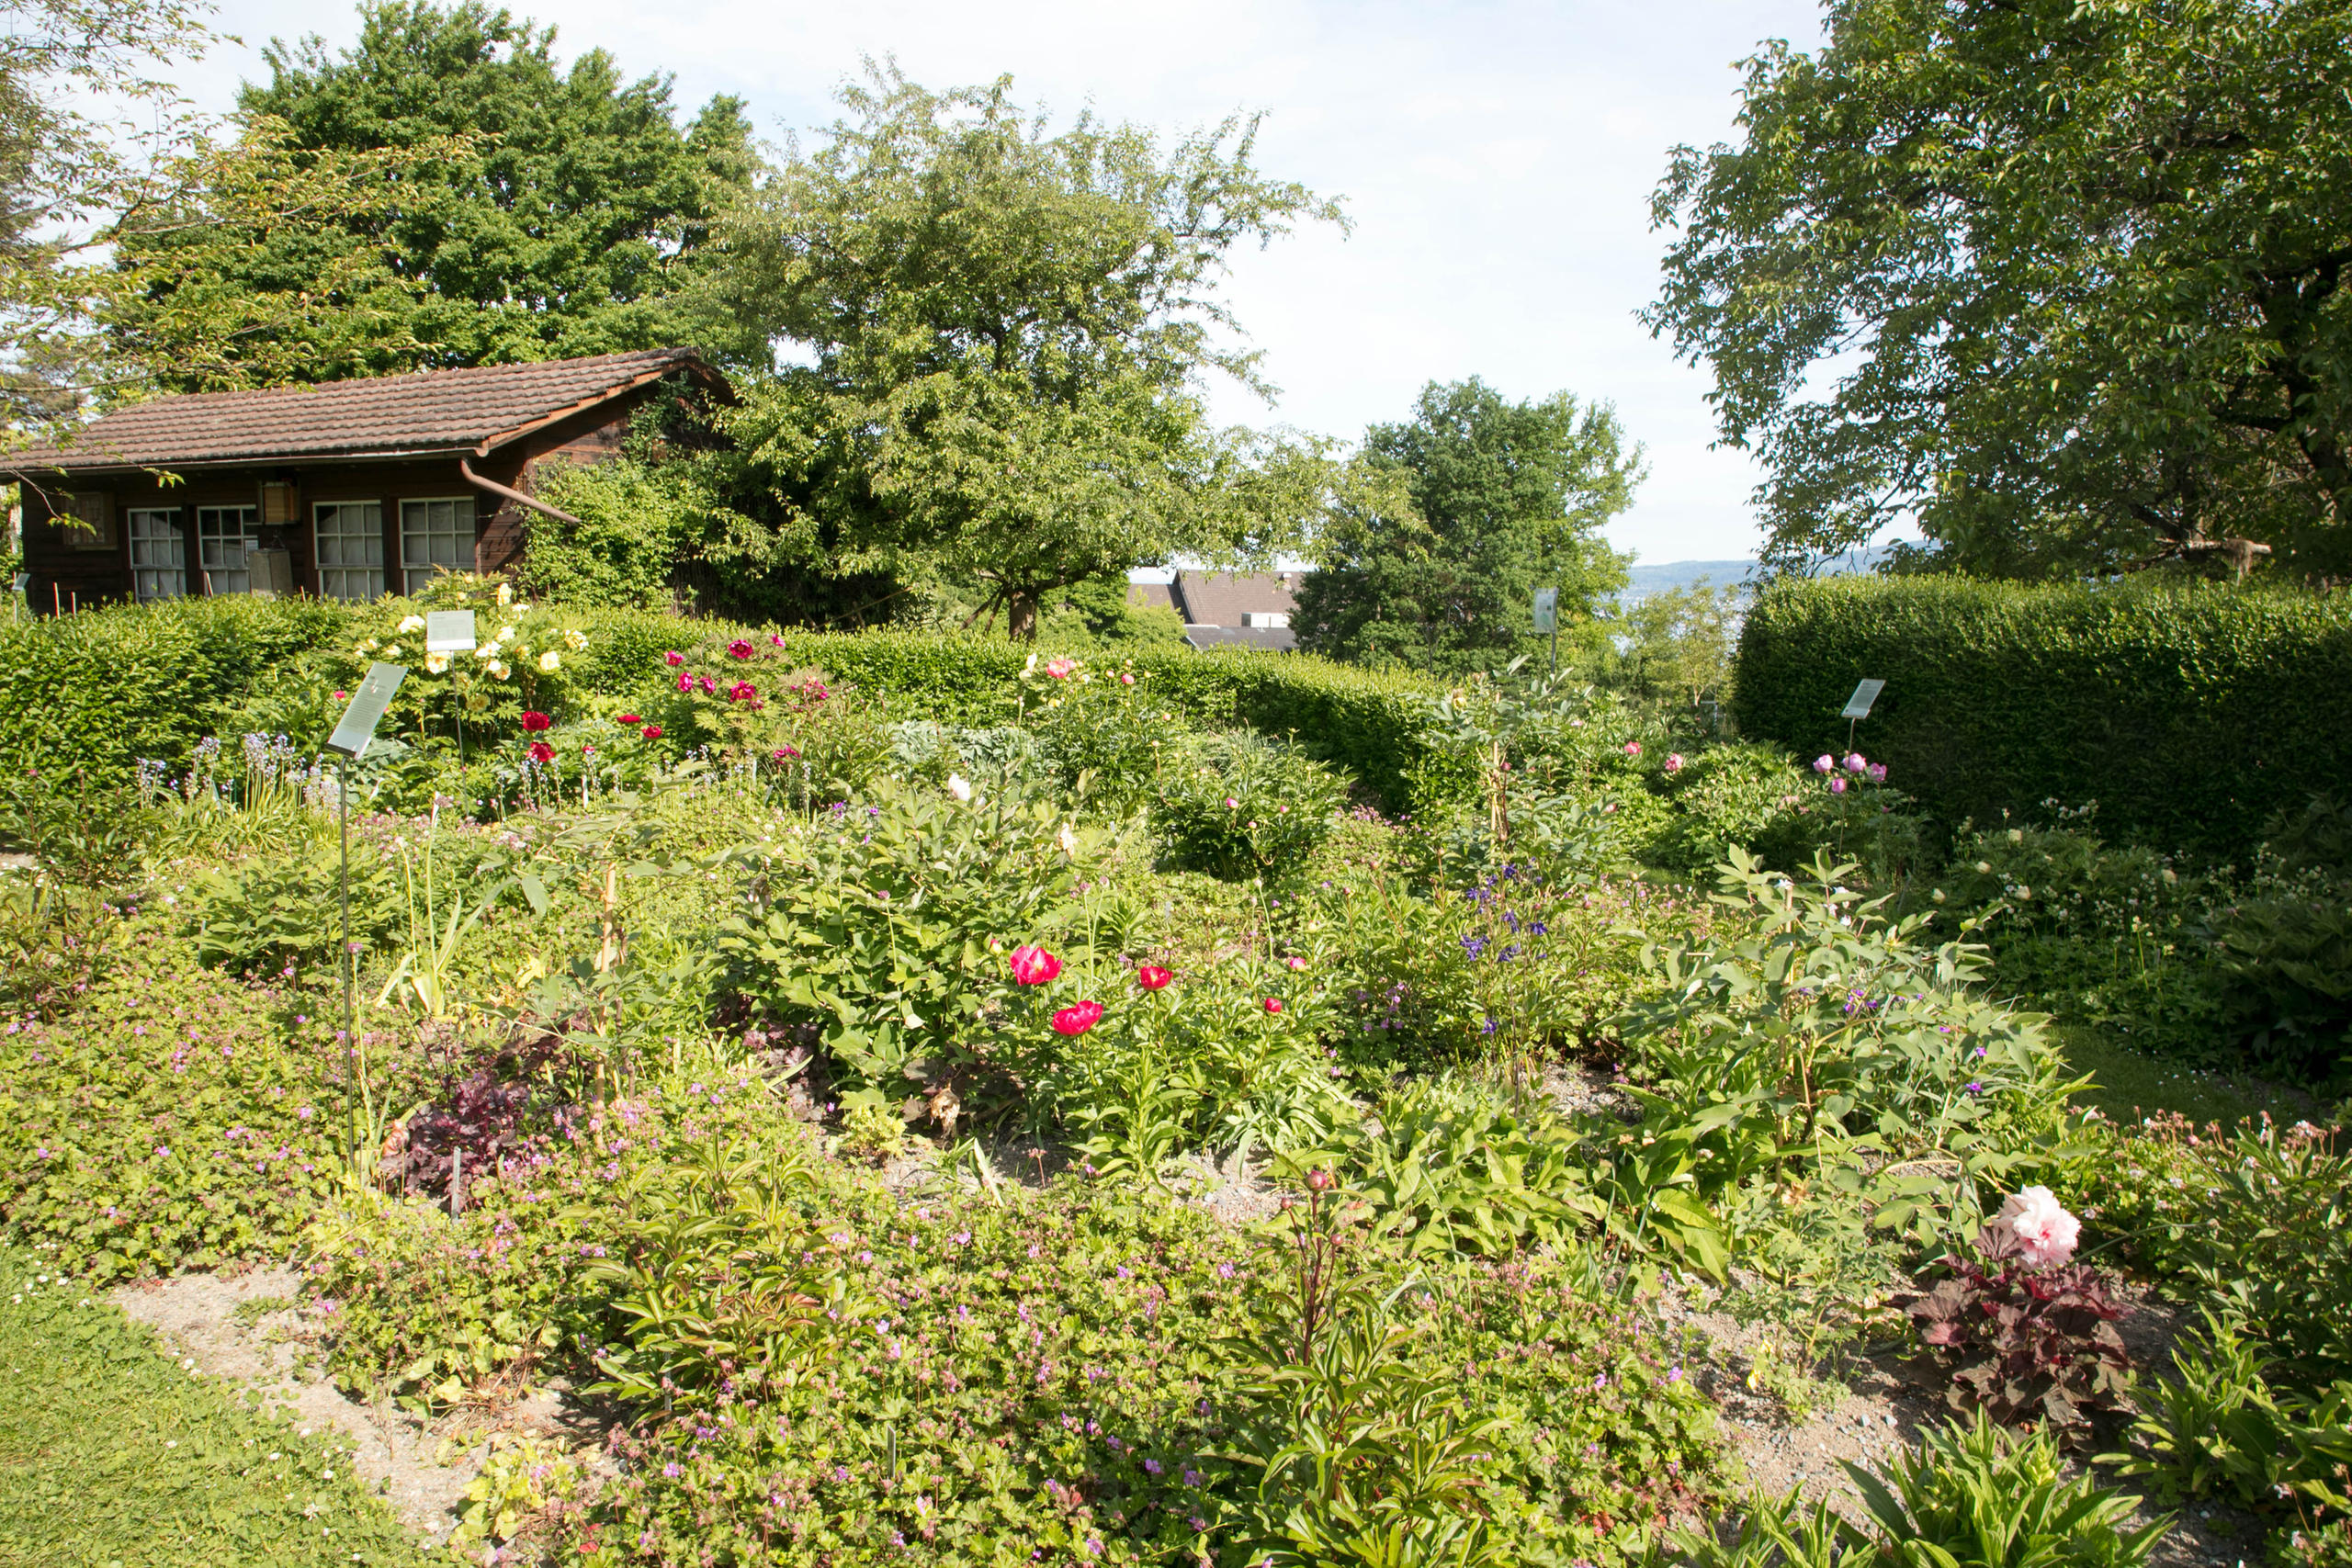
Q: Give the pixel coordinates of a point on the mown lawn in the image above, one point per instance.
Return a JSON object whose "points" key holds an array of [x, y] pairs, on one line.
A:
{"points": [[113, 1456]]}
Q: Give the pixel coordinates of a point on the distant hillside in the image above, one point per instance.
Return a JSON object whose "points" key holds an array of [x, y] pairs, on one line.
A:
{"points": [[1644, 578]]}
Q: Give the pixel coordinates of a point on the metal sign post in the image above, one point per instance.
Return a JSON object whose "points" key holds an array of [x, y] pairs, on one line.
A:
{"points": [[1547, 619], [351, 738], [451, 631], [1858, 707]]}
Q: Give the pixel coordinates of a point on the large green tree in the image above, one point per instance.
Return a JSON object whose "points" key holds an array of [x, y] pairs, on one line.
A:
{"points": [[1492, 499], [1006, 327], [573, 220], [2061, 280]]}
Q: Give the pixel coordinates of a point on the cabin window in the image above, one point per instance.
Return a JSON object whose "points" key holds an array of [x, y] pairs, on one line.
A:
{"points": [[158, 554], [435, 536], [224, 536], [350, 535]]}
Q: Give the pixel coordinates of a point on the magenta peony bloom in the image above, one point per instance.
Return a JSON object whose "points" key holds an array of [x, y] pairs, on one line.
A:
{"points": [[1633, 748], [674, 658], [1674, 761], [1878, 772], [1856, 761], [741, 691], [1152, 977], [1032, 966], [1273, 1004], [1837, 786], [1077, 1018], [739, 649], [1825, 764]]}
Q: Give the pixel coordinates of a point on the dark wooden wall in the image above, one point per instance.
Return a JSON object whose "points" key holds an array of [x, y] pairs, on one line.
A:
{"points": [[65, 574]]}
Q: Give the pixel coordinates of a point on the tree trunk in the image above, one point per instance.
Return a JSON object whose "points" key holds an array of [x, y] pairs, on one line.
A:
{"points": [[1021, 616]]}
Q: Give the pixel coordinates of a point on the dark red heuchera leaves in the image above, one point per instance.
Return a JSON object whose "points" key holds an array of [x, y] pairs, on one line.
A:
{"points": [[2026, 1344]]}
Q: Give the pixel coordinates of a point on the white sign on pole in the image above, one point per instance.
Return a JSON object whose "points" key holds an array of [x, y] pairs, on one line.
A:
{"points": [[1859, 705], [449, 631], [1547, 609], [367, 704]]}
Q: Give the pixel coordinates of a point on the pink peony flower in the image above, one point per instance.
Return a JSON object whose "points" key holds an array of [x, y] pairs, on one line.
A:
{"points": [[1152, 977], [1296, 962], [1273, 1004], [1077, 1018], [1856, 761], [1825, 764], [1837, 786], [741, 691], [674, 658], [739, 649], [686, 682], [1032, 966], [1674, 761], [1061, 669], [2045, 1231], [1126, 679], [1878, 772], [1633, 748], [775, 640]]}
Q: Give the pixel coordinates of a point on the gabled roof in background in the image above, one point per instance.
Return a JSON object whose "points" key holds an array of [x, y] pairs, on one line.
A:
{"points": [[435, 412], [1219, 598]]}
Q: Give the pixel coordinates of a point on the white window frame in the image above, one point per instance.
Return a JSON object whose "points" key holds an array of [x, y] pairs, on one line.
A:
{"points": [[158, 557], [335, 576], [225, 557], [416, 572]]}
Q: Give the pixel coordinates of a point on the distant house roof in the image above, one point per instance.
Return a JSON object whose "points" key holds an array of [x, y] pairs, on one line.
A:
{"points": [[435, 412], [1281, 639], [1222, 598]]}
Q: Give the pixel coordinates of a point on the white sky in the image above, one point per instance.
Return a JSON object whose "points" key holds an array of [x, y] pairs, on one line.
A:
{"points": [[1496, 159]]}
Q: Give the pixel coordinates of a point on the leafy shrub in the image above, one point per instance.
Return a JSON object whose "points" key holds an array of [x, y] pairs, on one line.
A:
{"points": [[1241, 806], [169, 1119], [1971, 1498], [1449, 1168], [2182, 711], [1103, 726], [2026, 1345], [274, 911]]}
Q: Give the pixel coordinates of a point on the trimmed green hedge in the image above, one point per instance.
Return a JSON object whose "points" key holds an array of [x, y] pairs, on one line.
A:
{"points": [[2189, 713], [104, 688], [101, 688]]}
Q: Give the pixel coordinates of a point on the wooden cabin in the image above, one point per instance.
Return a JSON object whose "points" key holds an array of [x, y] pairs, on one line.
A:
{"points": [[350, 489]]}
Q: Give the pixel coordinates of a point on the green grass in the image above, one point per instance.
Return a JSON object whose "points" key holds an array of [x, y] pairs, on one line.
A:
{"points": [[2132, 1085], [111, 1456]]}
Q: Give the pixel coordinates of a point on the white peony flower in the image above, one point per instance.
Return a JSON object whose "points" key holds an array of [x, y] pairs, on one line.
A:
{"points": [[958, 786], [1067, 839], [486, 650], [506, 594], [549, 662], [576, 640], [498, 671], [2045, 1232], [411, 623], [434, 663]]}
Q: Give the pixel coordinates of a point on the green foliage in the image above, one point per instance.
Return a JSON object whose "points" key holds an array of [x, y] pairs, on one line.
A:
{"points": [[274, 911], [166, 1117], [98, 690], [1241, 807], [638, 521], [2179, 710], [949, 426], [1498, 499], [111, 1452], [571, 221], [1971, 1498], [2076, 272], [1448, 1168]]}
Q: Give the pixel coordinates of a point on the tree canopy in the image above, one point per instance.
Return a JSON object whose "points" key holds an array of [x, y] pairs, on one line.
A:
{"points": [[2059, 279], [569, 215], [1493, 499], [1007, 327]]}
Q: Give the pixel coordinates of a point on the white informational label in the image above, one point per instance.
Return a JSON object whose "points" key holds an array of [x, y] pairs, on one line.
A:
{"points": [[357, 727], [449, 631], [1547, 609], [1865, 693]]}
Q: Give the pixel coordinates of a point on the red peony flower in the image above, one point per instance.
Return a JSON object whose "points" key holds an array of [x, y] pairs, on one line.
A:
{"points": [[1273, 1004], [673, 657], [1152, 976], [535, 721], [739, 649], [1032, 966], [628, 718], [742, 691], [1077, 1018], [652, 732], [541, 751]]}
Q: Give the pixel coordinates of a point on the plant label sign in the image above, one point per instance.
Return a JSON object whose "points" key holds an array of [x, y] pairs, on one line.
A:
{"points": [[1547, 609], [1865, 693], [449, 631], [367, 704]]}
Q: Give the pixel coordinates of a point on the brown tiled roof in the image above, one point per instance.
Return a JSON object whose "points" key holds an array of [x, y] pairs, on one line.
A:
{"points": [[1218, 598], [438, 411]]}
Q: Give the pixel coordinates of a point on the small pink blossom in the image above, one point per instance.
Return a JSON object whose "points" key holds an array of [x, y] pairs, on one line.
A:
{"points": [[1825, 764], [1837, 786], [1674, 761], [2045, 1233], [1633, 748]]}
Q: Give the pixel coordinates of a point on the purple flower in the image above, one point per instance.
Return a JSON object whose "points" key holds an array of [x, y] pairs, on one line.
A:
{"points": [[670, 1470], [1976, 1089]]}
